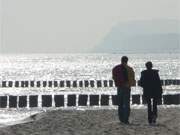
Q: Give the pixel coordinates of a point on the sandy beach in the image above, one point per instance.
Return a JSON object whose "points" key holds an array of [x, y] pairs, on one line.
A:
{"points": [[96, 122]]}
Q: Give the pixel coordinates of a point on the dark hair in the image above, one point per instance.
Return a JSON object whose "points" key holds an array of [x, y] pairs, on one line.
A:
{"points": [[149, 65], [124, 59]]}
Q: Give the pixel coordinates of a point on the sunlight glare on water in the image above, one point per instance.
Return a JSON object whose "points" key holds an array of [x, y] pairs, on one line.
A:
{"points": [[81, 66]]}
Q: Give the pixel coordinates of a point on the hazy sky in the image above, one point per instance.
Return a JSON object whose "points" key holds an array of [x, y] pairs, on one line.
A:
{"points": [[72, 25]]}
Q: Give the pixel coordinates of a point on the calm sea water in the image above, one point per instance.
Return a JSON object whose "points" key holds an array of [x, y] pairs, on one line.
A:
{"points": [[73, 67]]}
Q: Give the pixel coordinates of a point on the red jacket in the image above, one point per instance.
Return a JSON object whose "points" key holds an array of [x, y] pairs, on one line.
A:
{"points": [[123, 75], [120, 75]]}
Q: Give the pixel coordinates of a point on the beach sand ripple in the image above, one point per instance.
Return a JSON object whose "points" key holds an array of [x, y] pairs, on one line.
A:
{"points": [[96, 122]]}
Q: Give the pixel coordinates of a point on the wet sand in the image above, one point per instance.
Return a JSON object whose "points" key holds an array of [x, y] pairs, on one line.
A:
{"points": [[96, 122]]}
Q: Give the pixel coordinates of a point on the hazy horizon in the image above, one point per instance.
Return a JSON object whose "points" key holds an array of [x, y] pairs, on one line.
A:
{"points": [[57, 26]]}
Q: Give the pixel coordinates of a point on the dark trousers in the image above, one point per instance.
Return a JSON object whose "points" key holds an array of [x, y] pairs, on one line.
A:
{"points": [[152, 109], [123, 94]]}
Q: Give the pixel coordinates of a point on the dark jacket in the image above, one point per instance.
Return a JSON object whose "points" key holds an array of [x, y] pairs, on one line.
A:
{"points": [[150, 81]]}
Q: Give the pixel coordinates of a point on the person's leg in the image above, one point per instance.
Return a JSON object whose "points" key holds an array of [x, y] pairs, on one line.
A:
{"points": [[126, 105], [149, 110], [155, 101], [120, 103]]}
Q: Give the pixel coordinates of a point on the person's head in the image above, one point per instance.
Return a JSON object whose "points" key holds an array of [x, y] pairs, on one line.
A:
{"points": [[149, 65], [124, 59]]}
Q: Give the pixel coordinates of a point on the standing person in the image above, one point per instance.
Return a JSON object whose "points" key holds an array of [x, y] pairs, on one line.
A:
{"points": [[152, 90], [123, 76]]}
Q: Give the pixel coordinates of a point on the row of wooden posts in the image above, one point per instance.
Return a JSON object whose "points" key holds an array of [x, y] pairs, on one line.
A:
{"points": [[74, 84], [74, 100]]}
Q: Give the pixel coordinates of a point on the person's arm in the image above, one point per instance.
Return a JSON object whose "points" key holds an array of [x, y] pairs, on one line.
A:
{"points": [[141, 81], [113, 74], [159, 82], [133, 76]]}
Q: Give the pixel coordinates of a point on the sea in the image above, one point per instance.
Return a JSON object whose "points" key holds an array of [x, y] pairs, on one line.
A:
{"points": [[17, 67]]}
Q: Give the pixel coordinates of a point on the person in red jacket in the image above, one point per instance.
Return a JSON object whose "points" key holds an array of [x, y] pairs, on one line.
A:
{"points": [[123, 76]]}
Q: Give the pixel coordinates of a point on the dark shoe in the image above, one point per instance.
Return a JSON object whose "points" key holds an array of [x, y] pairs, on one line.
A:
{"points": [[126, 122], [152, 124], [150, 121], [154, 119]]}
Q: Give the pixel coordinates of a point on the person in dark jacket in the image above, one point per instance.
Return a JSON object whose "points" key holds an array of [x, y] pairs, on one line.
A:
{"points": [[152, 90], [123, 76]]}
